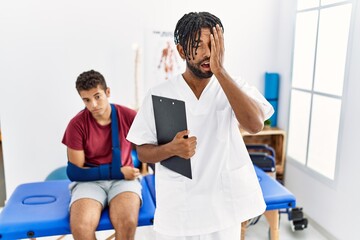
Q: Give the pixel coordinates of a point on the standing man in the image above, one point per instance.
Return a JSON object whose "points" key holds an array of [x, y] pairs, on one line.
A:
{"points": [[101, 175], [224, 190]]}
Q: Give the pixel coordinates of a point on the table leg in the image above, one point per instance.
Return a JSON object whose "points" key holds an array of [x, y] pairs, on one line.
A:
{"points": [[272, 217], [243, 230]]}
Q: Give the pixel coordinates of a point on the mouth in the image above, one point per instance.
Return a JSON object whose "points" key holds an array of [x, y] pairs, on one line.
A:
{"points": [[205, 65]]}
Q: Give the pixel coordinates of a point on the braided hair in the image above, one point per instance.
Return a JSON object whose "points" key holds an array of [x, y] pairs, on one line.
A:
{"points": [[188, 30], [90, 79]]}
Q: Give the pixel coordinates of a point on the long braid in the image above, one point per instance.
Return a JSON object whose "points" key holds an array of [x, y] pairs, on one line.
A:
{"points": [[188, 30]]}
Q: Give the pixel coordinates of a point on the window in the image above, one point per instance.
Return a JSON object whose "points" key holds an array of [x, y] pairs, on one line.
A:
{"points": [[318, 74]]}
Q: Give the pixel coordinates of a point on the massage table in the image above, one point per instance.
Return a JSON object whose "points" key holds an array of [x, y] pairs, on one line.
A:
{"points": [[41, 209], [276, 197]]}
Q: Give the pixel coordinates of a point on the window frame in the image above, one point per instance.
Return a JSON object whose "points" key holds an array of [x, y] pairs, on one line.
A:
{"points": [[343, 98]]}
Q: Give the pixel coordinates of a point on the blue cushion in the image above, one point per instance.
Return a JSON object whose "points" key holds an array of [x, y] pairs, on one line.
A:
{"points": [[41, 209]]}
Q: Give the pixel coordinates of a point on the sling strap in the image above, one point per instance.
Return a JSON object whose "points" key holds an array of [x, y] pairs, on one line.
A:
{"points": [[116, 153], [104, 171]]}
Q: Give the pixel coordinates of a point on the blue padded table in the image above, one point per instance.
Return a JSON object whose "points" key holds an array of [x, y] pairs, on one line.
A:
{"points": [[41, 209], [276, 197]]}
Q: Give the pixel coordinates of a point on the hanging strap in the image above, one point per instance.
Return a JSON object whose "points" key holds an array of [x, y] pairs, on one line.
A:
{"points": [[116, 153]]}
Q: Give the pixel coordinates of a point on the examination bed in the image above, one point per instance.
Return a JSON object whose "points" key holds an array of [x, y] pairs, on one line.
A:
{"points": [[41, 208]]}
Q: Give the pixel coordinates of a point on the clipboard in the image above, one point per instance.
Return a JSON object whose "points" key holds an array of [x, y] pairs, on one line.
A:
{"points": [[170, 118]]}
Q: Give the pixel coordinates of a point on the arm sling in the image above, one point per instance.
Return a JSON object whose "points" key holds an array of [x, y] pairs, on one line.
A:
{"points": [[103, 171]]}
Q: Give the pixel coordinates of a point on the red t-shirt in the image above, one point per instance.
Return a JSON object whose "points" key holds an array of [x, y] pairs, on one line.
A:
{"points": [[84, 133]]}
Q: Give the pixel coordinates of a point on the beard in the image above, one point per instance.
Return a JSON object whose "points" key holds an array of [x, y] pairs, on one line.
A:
{"points": [[195, 69]]}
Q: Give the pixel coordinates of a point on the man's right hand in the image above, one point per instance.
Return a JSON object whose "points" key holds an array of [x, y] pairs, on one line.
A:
{"points": [[184, 146], [130, 173]]}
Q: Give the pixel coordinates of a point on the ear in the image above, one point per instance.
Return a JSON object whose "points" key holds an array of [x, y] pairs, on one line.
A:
{"points": [[107, 92], [180, 50]]}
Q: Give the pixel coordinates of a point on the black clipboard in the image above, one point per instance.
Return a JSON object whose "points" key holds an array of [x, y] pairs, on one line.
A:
{"points": [[170, 118]]}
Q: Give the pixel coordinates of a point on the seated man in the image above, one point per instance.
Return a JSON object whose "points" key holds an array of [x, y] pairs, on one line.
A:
{"points": [[100, 172]]}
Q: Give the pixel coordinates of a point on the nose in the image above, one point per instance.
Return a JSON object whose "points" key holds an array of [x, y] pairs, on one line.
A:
{"points": [[93, 103], [207, 52]]}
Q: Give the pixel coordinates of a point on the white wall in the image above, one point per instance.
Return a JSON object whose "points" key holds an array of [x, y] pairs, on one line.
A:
{"points": [[45, 45]]}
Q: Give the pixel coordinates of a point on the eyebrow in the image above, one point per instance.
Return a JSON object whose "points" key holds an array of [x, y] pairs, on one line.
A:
{"points": [[96, 94]]}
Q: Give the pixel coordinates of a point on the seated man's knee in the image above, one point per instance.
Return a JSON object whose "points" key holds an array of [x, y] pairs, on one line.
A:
{"points": [[84, 217], [127, 226], [129, 223], [83, 225]]}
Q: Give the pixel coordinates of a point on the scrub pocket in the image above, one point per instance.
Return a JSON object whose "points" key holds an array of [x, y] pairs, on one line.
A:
{"points": [[240, 182]]}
